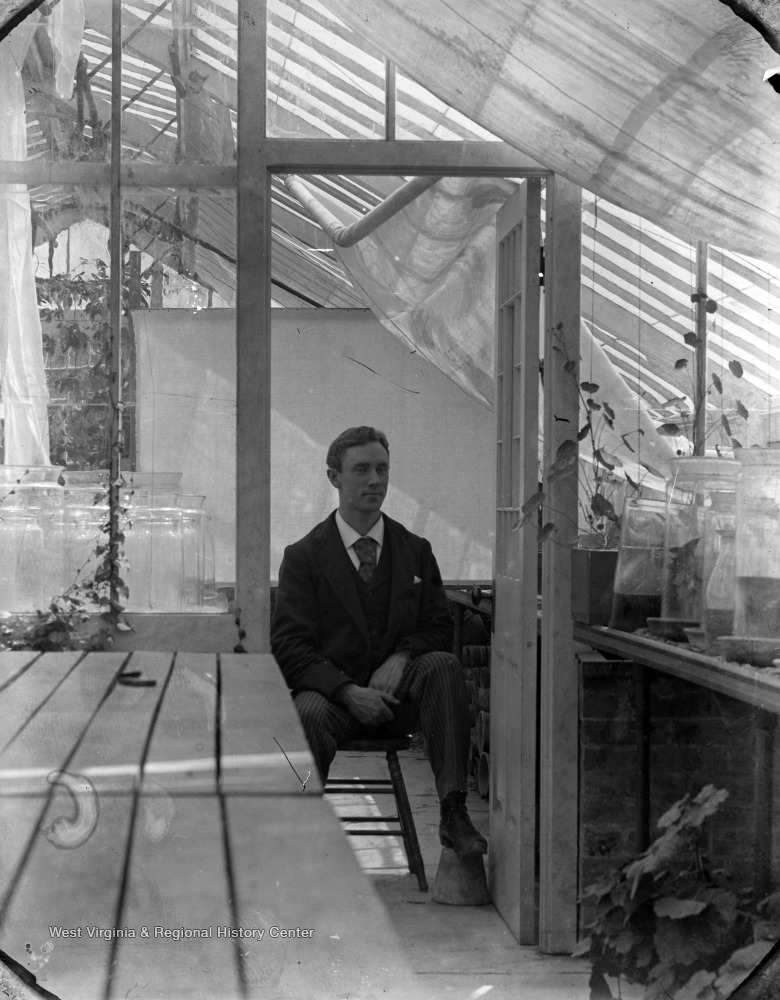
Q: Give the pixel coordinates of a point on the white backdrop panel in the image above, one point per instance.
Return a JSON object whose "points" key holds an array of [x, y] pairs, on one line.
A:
{"points": [[331, 369]]}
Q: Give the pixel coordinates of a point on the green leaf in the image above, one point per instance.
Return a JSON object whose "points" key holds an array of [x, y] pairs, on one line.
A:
{"points": [[602, 507], [533, 503], [678, 909], [742, 410], [624, 439], [669, 430], [589, 387], [545, 531], [599, 457], [609, 411], [680, 363], [692, 340], [584, 431], [582, 948], [726, 425], [712, 306], [736, 443], [717, 383], [736, 369], [565, 455]]}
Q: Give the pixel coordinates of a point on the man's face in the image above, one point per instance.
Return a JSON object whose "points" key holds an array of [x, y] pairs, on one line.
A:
{"points": [[362, 482]]}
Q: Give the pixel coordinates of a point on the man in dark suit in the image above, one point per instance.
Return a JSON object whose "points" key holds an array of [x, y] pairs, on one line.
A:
{"points": [[363, 633]]}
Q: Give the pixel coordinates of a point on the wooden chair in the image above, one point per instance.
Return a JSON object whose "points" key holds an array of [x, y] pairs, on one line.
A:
{"points": [[394, 785]]}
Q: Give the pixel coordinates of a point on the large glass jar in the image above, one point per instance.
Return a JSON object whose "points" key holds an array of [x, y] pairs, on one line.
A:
{"points": [[167, 560], [82, 535], [757, 559], [637, 591], [22, 564], [696, 483], [718, 617]]}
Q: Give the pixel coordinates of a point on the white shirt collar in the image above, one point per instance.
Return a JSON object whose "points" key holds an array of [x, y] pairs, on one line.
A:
{"points": [[349, 536]]}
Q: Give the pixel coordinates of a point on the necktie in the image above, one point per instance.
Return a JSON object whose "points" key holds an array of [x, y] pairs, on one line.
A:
{"points": [[365, 549]]}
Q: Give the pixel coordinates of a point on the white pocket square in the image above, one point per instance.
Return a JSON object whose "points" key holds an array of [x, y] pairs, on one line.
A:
{"points": [[417, 580]]}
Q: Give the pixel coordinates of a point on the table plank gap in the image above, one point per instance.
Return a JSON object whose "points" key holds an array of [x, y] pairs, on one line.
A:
{"points": [[110, 753], [64, 911], [51, 737], [324, 931], [177, 883], [34, 686], [257, 721], [13, 663], [182, 752]]}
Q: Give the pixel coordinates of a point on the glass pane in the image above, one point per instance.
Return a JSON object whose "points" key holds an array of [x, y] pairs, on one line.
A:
{"points": [[180, 287], [179, 82], [65, 85], [420, 115], [321, 81]]}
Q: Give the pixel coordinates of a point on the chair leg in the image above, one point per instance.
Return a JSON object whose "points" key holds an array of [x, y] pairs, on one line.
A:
{"points": [[411, 844]]}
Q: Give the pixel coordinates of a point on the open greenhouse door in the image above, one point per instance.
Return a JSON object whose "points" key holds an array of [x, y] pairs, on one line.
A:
{"points": [[513, 698]]}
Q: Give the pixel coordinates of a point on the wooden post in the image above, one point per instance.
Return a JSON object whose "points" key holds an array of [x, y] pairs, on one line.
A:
{"points": [[558, 744], [763, 781], [253, 318], [700, 375], [115, 242], [642, 710]]}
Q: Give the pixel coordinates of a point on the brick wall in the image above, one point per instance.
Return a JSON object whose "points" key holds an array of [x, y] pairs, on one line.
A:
{"points": [[697, 737]]}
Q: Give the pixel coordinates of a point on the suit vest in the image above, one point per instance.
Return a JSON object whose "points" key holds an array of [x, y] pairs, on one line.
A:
{"points": [[375, 599]]}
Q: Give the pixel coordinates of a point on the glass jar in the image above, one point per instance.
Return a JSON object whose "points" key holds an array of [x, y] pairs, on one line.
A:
{"points": [[637, 592], [192, 522], [22, 565], [718, 616], [757, 544], [137, 571], [81, 535], [696, 484], [167, 560]]}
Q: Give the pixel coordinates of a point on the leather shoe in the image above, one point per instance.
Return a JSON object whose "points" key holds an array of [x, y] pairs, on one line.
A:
{"points": [[456, 829]]}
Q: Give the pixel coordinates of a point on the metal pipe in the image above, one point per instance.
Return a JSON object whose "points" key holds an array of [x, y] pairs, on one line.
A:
{"points": [[347, 236]]}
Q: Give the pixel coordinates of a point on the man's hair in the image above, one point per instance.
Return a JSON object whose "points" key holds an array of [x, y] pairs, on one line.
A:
{"points": [[351, 438]]}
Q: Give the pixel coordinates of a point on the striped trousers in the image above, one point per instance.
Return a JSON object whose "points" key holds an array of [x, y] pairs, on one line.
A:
{"points": [[433, 700]]}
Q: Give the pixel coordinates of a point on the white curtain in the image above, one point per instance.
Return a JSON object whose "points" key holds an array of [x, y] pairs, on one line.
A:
{"points": [[25, 395], [659, 107], [22, 377]]}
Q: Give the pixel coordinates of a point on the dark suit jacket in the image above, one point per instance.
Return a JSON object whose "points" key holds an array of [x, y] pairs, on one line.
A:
{"points": [[319, 634]]}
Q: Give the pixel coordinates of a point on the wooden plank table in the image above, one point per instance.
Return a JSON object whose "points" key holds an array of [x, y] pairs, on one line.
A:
{"points": [[157, 842]]}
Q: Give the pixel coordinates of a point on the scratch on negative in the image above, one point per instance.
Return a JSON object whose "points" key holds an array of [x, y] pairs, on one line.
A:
{"points": [[415, 392]]}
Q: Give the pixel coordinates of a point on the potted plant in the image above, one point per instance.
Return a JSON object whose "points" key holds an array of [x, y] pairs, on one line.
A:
{"points": [[600, 481], [669, 921]]}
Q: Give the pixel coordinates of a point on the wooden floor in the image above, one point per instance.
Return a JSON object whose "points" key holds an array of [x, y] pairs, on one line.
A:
{"points": [[459, 952]]}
